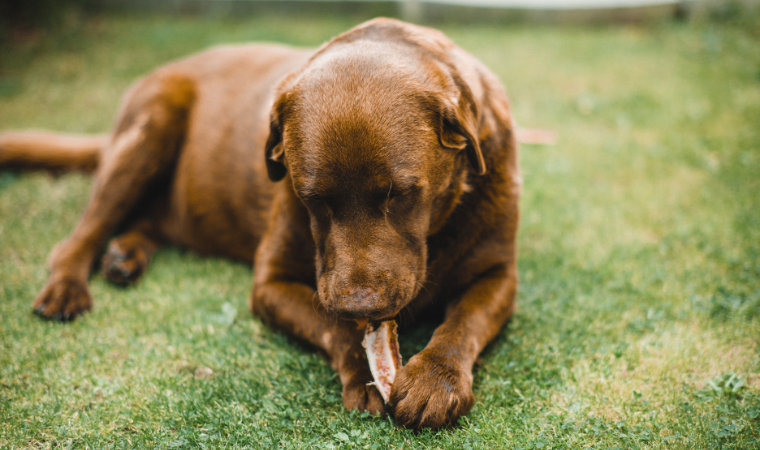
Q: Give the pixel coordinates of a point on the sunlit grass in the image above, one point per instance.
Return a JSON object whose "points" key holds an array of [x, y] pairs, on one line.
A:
{"points": [[639, 259]]}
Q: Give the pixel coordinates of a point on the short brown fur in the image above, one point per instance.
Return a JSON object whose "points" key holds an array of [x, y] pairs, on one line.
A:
{"points": [[397, 188]]}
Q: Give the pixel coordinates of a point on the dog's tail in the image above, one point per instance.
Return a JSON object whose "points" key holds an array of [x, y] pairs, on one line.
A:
{"points": [[50, 151]]}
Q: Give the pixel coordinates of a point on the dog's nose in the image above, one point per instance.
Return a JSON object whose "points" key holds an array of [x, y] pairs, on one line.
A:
{"points": [[363, 295], [360, 302]]}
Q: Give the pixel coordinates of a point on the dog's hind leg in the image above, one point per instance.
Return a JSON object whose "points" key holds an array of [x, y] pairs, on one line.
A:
{"points": [[149, 134], [128, 254]]}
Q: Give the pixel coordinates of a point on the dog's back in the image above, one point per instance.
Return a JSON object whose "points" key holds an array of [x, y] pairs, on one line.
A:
{"points": [[219, 193]]}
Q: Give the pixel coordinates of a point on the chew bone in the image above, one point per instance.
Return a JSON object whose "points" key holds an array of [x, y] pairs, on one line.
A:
{"points": [[381, 345]]}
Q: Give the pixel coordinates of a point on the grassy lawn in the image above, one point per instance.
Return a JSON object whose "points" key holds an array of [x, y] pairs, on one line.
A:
{"points": [[638, 322]]}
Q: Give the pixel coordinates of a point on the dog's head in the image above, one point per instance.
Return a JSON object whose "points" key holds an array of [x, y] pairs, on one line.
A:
{"points": [[378, 134]]}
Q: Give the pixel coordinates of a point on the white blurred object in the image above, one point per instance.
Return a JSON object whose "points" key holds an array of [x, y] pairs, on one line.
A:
{"points": [[557, 4], [532, 136]]}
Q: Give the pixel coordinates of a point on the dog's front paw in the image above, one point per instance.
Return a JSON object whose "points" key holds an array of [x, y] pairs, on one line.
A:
{"points": [[63, 299], [363, 397], [431, 391], [357, 393]]}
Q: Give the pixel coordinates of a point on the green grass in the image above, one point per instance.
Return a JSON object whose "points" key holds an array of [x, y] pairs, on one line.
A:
{"points": [[638, 322]]}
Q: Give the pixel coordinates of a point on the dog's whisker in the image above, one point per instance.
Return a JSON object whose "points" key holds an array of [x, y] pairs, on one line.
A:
{"points": [[422, 285], [408, 310], [314, 306]]}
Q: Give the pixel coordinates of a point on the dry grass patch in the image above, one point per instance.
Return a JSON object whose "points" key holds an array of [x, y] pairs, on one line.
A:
{"points": [[661, 369]]}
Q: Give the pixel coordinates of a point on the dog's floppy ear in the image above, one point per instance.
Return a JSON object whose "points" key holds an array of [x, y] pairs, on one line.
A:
{"points": [[274, 151], [458, 130]]}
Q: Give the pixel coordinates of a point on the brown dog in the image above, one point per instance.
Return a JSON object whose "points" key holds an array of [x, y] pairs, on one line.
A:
{"points": [[396, 186]]}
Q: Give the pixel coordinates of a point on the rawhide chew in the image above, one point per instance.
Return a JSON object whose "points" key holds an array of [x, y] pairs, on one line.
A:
{"points": [[381, 344]]}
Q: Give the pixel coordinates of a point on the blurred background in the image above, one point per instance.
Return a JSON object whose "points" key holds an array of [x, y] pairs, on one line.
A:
{"points": [[15, 15]]}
